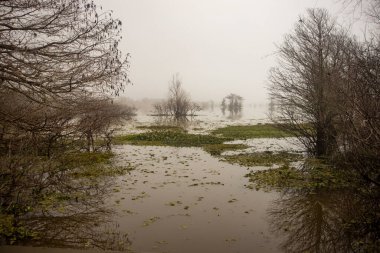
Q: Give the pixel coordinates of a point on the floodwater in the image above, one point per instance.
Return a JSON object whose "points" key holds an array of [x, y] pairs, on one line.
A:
{"points": [[185, 200], [205, 120]]}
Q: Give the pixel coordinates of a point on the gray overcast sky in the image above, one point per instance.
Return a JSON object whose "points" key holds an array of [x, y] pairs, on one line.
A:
{"points": [[217, 46]]}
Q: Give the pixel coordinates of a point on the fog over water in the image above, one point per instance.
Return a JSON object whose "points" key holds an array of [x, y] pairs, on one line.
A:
{"points": [[217, 46]]}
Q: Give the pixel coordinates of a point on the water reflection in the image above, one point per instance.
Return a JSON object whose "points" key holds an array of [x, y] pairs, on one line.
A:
{"points": [[80, 230], [183, 122], [48, 205], [233, 104], [327, 220]]}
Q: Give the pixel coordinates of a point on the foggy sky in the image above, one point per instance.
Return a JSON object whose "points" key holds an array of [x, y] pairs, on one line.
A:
{"points": [[217, 46]]}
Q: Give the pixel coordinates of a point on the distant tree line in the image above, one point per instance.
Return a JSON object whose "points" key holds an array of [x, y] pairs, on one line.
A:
{"points": [[327, 90]]}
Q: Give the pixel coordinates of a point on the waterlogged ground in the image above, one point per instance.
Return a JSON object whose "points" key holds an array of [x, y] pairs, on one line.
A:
{"points": [[290, 144], [181, 199], [205, 120], [184, 200], [176, 199]]}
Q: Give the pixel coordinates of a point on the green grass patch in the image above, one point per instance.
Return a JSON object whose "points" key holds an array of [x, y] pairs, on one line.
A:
{"points": [[92, 165], [290, 177], [169, 138], [263, 158], [252, 131], [77, 159], [218, 149]]}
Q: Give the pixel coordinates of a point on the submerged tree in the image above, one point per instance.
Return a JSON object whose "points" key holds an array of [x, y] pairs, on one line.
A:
{"points": [[233, 103], [311, 59], [359, 110], [327, 91], [178, 104]]}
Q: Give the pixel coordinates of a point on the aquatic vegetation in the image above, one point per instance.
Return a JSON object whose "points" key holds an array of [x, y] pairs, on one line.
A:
{"points": [[150, 221], [266, 158], [319, 206], [140, 196], [174, 203], [243, 132], [232, 200], [86, 158], [34, 187], [183, 226], [92, 164], [218, 149], [206, 183], [169, 138], [320, 176]]}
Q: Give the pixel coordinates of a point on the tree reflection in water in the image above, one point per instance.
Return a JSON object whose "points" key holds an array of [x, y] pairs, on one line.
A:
{"points": [[62, 205], [182, 122], [83, 229], [327, 220]]}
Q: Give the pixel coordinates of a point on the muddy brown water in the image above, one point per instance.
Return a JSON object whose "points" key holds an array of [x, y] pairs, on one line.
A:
{"points": [[176, 200], [184, 200]]}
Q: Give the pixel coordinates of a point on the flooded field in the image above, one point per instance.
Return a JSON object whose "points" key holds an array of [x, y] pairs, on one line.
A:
{"points": [[184, 200], [200, 199], [205, 120], [180, 126]]}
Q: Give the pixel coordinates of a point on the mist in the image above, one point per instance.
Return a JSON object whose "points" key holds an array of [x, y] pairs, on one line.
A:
{"points": [[217, 46]]}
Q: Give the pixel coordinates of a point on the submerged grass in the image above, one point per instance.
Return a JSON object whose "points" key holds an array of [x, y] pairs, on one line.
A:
{"points": [[252, 131], [174, 138], [266, 158], [86, 158], [166, 135], [92, 164], [315, 177], [218, 149]]}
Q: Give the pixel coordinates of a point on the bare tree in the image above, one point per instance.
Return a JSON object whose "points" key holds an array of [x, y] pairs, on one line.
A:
{"points": [[370, 9], [310, 60], [29, 128], [96, 118], [327, 91], [59, 49], [178, 104], [359, 111], [54, 55], [59, 66]]}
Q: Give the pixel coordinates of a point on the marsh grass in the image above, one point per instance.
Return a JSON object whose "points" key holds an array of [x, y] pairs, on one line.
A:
{"points": [[75, 159], [266, 158], [169, 138], [243, 132], [166, 135], [218, 149], [315, 176]]}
